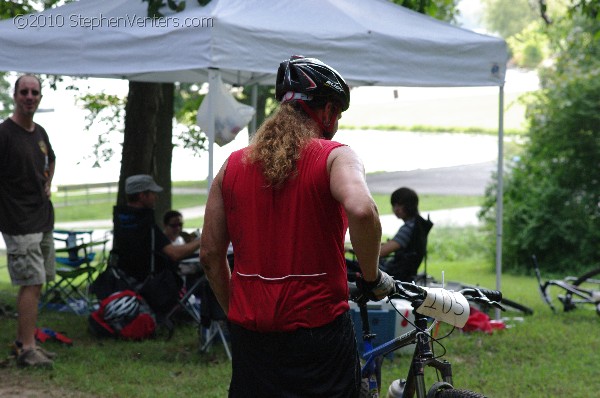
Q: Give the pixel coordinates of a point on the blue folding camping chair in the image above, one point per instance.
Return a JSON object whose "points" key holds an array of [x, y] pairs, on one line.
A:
{"points": [[75, 270]]}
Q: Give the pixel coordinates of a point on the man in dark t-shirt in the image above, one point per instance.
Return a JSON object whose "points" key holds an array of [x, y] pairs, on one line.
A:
{"points": [[26, 213]]}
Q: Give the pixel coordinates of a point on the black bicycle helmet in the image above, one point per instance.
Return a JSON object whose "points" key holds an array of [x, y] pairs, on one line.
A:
{"points": [[311, 77]]}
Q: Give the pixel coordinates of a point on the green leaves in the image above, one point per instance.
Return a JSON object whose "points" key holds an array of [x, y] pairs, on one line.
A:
{"points": [[154, 6], [552, 195], [444, 10]]}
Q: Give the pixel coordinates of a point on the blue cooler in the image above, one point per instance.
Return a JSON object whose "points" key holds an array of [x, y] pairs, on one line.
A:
{"points": [[382, 323]]}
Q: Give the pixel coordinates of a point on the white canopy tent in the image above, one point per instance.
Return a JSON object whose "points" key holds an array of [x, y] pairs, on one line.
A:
{"points": [[370, 42]]}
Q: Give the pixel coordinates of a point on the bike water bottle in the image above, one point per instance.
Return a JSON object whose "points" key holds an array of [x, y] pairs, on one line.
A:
{"points": [[396, 389]]}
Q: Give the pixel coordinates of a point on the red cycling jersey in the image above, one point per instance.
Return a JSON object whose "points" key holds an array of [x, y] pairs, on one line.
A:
{"points": [[288, 244]]}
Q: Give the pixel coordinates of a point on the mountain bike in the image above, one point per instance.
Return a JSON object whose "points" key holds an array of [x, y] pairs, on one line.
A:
{"points": [[571, 291], [430, 306]]}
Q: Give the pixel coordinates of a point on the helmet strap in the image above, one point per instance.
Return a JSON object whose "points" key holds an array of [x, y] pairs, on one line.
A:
{"points": [[326, 131]]}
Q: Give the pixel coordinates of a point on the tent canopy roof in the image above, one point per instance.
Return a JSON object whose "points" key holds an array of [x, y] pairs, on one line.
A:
{"points": [[370, 42]]}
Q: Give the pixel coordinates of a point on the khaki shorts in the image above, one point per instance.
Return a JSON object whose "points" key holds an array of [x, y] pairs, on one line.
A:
{"points": [[31, 258]]}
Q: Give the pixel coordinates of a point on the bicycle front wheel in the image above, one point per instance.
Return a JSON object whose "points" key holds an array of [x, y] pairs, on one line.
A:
{"points": [[452, 393]]}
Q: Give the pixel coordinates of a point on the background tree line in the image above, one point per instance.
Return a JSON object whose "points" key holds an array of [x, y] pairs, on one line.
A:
{"points": [[552, 188]]}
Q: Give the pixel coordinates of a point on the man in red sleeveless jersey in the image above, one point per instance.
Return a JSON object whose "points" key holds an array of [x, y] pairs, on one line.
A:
{"points": [[285, 202]]}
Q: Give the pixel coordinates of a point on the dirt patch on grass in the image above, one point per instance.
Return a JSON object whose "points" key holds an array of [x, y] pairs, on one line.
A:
{"points": [[27, 383]]}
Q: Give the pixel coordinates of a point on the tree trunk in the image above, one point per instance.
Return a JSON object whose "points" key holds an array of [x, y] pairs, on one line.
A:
{"points": [[164, 149], [147, 146]]}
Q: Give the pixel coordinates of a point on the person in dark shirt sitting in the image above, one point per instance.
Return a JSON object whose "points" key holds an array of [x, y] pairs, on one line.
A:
{"points": [[401, 256], [139, 243], [409, 245]]}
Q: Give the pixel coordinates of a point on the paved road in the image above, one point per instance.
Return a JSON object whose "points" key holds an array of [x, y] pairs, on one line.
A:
{"points": [[457, 180]]}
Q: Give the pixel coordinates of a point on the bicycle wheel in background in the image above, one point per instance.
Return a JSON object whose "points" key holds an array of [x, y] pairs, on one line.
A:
{"points": [[590, 281]]}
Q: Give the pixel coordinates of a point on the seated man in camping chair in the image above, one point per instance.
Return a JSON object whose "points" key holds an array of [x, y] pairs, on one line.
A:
{"points": [[401, 256], [142, 251]]}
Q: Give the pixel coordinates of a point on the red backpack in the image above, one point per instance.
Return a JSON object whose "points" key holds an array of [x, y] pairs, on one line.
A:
{"points": [[125, 315]]}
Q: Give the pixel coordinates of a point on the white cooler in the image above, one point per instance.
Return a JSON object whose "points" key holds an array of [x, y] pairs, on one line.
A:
{"points": [[403, 325]]}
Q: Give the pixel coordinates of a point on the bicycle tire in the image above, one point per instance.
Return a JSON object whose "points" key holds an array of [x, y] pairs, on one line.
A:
{"points": [[454, 393], [568, 298], [588, 275]]}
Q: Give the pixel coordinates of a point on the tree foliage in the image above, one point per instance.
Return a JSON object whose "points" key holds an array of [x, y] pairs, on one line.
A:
{"points": [[508, 18], [529, 47], [444, 10], [552, 194]]}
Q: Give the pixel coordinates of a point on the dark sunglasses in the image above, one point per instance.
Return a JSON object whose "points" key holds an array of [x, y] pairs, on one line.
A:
{"points": [[176, 225], [24, 91]]}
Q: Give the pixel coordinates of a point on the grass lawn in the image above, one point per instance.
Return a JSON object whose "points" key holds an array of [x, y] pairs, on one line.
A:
{"points": [[530, 359], [544, 354]]}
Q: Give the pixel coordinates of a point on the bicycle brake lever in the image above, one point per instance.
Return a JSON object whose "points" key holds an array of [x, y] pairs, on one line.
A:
{"points": [[482, 300]]}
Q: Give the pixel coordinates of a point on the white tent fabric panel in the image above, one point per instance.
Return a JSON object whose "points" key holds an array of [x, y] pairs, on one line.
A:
{"points": [[371, 42]]}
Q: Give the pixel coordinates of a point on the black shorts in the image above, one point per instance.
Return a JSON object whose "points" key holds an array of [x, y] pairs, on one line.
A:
{"points": [[317, 362]]}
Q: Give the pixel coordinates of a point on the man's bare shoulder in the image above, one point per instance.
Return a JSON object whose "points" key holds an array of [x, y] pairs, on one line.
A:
{"points": [[343, 155]]}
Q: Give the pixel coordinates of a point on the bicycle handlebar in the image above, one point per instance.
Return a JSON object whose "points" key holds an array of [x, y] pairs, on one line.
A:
{"points": [[412, 292]]}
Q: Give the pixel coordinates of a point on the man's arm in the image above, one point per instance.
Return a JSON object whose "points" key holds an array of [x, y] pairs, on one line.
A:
{"points": [[389, 247], [48, 186], [215, 241], [349, 187], [399, 241], [179, 252]]}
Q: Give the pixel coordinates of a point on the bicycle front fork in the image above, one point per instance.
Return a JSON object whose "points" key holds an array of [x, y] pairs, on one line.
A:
{"points": [[416, 376]]}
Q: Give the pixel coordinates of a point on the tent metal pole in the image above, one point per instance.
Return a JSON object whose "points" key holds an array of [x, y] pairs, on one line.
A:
{"points": [[500, 194], [213, 75], [254, 102]]}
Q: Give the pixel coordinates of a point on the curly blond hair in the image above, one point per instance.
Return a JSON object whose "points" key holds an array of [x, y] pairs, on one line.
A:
{"points": [[279, 141]]}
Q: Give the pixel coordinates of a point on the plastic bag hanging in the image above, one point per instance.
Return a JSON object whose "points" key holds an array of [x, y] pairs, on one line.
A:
{"points": [[230, 116]]}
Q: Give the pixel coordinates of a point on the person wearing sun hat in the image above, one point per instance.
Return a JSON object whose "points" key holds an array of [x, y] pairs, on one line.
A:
{"points": [[141, 183], [139, 243]]}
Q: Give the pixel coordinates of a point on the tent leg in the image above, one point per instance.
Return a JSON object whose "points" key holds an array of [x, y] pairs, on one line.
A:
{"points": [[213, 75], [253, 123], [500, 193]]}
